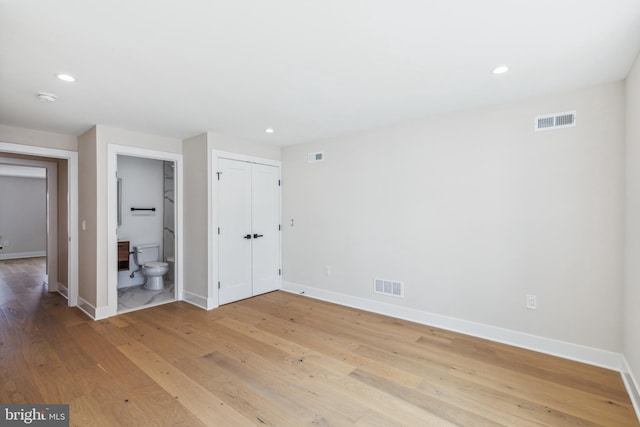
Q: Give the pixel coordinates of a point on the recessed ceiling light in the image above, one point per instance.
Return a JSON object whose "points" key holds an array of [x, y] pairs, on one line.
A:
{"points": [[269, 130], [66, 78], [501, 69], [46, 97]]}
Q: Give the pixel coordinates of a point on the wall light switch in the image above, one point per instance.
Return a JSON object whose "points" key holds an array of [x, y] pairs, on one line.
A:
{"points": [[531, 302]]}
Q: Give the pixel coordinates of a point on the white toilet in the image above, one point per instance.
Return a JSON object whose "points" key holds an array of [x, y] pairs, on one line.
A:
{"points": [[146, 257]]}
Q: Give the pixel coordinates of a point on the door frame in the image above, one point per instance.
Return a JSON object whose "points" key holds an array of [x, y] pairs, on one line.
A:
{"points": [[113, 150], [213, 217], [72, 207]]}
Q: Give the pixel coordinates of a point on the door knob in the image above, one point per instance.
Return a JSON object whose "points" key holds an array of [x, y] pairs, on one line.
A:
{"points": [[248, 236], [255, 236]]}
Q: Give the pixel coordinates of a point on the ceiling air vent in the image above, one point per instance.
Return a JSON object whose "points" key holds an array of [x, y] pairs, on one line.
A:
{"points": [[555, 121], [388, 287], [315, 157]]}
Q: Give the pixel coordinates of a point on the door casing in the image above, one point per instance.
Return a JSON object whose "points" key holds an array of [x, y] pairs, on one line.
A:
{"points": [[71, 293]]}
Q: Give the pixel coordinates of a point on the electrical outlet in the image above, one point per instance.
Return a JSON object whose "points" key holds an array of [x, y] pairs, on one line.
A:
{"points": [[6, 244], [327, 270], [531, 302]]}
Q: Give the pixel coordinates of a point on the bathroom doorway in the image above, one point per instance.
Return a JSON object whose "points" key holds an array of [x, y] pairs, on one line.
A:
{"points": [[144, 209]]}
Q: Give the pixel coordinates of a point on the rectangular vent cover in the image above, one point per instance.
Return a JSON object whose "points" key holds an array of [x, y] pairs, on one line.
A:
{"points": [[315, 157], [388, 287], [555, 121]]}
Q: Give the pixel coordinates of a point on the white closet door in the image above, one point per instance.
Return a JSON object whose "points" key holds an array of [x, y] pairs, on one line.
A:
{"points": [[235, 239], [265, 208], [249, 239]]}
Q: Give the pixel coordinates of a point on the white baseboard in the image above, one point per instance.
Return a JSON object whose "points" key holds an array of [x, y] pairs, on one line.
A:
{"points": [[20, 255], [580, 353], [87, 308], [95, 313], [63, 290], [197, 300], [632, 385]]}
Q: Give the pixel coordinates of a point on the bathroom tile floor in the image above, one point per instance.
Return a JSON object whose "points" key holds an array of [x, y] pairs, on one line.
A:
{"points": [[135, 297]]}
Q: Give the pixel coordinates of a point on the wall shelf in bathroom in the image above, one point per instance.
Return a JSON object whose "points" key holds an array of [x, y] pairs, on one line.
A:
{"points": [[123, 255]]}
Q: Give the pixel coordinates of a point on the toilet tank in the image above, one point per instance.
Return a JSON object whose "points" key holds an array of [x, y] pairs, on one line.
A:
{"points": [[147, 253]]}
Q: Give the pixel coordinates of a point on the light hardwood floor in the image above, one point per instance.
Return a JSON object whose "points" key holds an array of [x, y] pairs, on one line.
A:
{"points": [[281, 360]]}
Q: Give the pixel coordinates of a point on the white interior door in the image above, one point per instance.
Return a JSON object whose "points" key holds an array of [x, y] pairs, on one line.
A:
{"points": [[249, 237], [234, 240], [265, 209]]}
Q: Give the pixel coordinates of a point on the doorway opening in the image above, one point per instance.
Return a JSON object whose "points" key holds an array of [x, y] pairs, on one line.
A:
{"points": [[29, 226], [146, 232], [145, 213], [62, 212]]}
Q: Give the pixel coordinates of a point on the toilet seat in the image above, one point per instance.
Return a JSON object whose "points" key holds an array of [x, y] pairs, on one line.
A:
{"points": [[156, 264], [154, 271]]}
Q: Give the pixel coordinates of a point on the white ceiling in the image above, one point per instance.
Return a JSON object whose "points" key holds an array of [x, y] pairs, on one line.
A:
{"points": [[309, 69]]}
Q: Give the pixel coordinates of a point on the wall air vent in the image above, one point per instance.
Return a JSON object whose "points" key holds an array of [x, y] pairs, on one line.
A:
{"points": [[315, 157], [388, 287], [555, 121]]}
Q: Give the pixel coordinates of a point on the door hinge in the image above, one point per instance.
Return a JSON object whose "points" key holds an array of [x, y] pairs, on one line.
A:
{"points": [[278, 183], [218, 173], [218, 285], [218, 231], [279, 272], [279, 227]]}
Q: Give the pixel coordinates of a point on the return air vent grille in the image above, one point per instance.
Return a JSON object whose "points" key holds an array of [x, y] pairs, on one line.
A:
{"points": [[388, 287], [555, 121], [315, 157]]}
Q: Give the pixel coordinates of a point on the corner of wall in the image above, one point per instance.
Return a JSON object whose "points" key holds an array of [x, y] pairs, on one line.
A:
{"points": [[631, 294], [632, 386]]}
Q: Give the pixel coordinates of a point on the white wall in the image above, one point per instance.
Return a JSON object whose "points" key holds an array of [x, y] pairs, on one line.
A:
{"points": [[472, 211], [196, 221], [23, 217], [89, 281], [142, 187], [38, 138], [632, 235], [240, 146]]}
